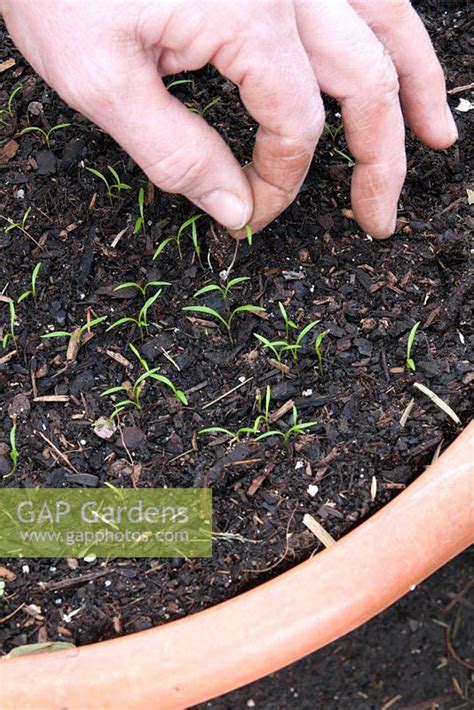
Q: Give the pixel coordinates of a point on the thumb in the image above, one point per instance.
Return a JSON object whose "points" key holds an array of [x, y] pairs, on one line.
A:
{"points": [[178, 150]]}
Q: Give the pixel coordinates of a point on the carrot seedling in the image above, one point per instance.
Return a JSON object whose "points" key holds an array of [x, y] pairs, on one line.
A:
{"points": [[110, 185], [317, 349], [140, 221], [190, 226], [45, 135], [9, 109], [225, 322], [223, 290], [410, 363], [141, 321]]}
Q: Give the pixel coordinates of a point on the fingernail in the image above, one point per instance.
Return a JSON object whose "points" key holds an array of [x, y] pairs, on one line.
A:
{"points": [[228, 209], [451, 124]]}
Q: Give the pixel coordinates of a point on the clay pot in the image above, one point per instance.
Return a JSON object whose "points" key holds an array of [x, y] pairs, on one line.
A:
{"points": [[206, 654]]}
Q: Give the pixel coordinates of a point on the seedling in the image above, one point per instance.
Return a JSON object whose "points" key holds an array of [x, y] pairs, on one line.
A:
{"points": [[225, 322], [46, 135], [10, 334], [141, 321], [279, 347], [202, 112], [317, 349], [110, 185], [190, 225], [276, 347], [289, 324], [296, 429], [248, 234], [139, 287], [334, 132], [223, 290], [178, 82], [75, 336], [32, 290], [140, 221], [21, 225], [9, 109], [410, 363], [263, 408], [80, 330], [13, 454], [134, 390]]}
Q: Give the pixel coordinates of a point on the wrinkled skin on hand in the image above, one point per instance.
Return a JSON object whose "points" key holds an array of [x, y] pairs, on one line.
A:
{"points": [[107, 59]]}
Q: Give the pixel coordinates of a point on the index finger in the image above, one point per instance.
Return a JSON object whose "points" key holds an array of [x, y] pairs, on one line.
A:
{"points": [[352, 66], [279, 89]]}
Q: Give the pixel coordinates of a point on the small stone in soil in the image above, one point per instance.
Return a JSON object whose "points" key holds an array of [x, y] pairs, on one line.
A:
{"points": [[19, 406], [133, 437]]}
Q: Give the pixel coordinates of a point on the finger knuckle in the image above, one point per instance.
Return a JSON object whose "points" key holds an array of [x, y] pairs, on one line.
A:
{"points": [[181, 170]]}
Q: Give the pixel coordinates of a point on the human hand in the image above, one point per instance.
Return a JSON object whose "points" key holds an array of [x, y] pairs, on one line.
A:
{"points": [[107, 60]]}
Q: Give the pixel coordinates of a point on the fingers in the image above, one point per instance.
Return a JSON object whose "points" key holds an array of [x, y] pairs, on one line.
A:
{"points": [[279, 89], [352, 66], [177, 149], [422, 85]]}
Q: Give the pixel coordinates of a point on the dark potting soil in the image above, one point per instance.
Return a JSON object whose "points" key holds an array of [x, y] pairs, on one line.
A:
{"points": [[313, 259]]}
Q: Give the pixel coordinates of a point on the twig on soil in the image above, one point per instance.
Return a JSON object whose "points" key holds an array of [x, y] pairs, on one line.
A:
{"points": [[7, 357], [9, 616], [72, 582], [407, 412], [460, 89], [452, 651], [280, 559], [438, 401], [457, 598], [58, 452], [226, 394], [317, 529]]}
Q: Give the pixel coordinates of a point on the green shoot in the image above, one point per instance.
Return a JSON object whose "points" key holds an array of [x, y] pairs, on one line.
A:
{"points": [[14, 455], [76, 332], [178, 82], [263, 408], [276, 347], [9, 109], [410, 363], [188, 224], [346, 157], [46, 135], [141, 321], [317, 349], [32, 290], [334, 132], [296, 429], [21, 225], [10, 334], [202, 112], [139, 287], [279, 347], [140, 221], [134, 390], [223, 290], [225, 322], [289, 324], [110, 185], [248, 234]]}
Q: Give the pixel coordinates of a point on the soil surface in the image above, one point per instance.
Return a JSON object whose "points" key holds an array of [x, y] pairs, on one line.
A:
{"points": [[367, 295]]}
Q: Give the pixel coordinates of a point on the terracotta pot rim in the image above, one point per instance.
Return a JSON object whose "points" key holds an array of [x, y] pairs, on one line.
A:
{"points": [[233, 643]]}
